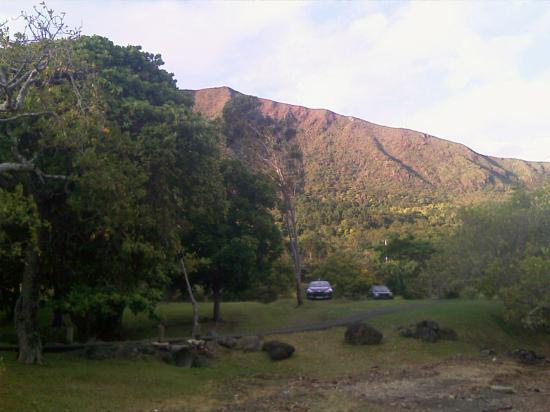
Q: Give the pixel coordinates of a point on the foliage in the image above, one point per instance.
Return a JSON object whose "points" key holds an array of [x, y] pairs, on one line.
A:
{"points": [[241, 244], [19, 226], [402, 260], [273, 285], [138, 169], [269, 145], [528, 299], [501, 250]]}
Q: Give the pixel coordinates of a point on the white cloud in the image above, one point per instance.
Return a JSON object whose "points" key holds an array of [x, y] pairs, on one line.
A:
{"points": [[471, 72]]}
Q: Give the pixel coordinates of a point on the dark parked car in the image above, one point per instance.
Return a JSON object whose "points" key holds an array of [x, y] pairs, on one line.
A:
{"points": [[319, 289], [380, 292]]}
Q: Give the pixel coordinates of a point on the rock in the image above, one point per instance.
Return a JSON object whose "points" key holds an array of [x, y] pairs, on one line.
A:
{"points": [[427, 334], [407, 332], [200, 361], [182, 357], [503, 389], [148, 350], [249, 343], [428, 331], [527, 356], [447, 334], [487, 352], [99, 352], [360, 333], [227, 342], [127, 352], [278, 350], [213, 350]]}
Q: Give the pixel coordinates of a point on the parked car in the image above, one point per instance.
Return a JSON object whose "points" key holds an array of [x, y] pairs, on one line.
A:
{"points": [[319, 289], [380, 292]]}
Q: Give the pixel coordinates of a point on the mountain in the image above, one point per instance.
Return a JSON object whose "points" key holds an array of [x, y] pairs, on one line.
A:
{"points": [[351, 158], [363, 182]]}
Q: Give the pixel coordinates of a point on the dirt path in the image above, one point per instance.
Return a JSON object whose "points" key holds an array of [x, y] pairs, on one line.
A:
{"points": [[457, 384]]}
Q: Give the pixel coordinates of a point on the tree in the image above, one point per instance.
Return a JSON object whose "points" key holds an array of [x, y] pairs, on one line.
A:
{"points": [[30, 64], [163, 160], [117, 169], [242, 244], [268, 145], [501, 249], [402, 258]]}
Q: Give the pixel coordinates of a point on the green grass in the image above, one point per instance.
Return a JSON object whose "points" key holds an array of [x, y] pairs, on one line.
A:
{"points": [[242, 317], [71, 383]]}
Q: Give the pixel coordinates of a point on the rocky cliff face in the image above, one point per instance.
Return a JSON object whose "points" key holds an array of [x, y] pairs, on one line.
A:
{"points": [[354, 159]]}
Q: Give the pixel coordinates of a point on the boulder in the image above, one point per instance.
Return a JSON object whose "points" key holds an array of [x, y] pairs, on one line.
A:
{"points": [[447, 334], [249, 343], [213, 350], [278, 350], [428, 331], [528, 357], [360, 333], [227, 342], [182, 356]]}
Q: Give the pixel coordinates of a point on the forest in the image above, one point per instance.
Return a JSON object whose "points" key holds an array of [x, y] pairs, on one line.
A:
{"points": [[115, 195]]}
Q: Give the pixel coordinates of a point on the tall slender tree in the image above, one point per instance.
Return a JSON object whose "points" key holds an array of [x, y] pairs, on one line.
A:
{"points": [[269, 145]]}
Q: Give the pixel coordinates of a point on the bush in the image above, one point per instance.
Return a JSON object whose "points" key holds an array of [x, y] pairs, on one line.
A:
{"points": [[528, 299], [277, 283], [402, 277]]}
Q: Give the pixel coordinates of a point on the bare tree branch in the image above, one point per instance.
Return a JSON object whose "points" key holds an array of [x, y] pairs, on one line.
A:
{"points": [[22, 115], [16, 167]]}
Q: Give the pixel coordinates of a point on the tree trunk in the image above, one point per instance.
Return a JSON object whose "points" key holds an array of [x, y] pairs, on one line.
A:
{"points": [[297, 271], [26, 312], [217, 298], [290, 222], [194, 304]]}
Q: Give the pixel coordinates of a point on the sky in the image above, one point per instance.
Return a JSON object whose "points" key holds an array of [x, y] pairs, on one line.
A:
{"points": [[477, 73]]}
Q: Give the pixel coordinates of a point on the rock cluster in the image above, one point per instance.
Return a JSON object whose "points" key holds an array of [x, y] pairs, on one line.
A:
{"points": [[187, 354], [360, 333], [428, 331], [190, 353]]}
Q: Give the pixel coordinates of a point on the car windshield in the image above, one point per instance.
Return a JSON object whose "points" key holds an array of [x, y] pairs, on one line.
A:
{"points": [[319, 284], [380, 289]]}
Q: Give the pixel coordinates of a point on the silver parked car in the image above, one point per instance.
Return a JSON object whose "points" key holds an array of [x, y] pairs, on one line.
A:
{"points": [[380, 292]]}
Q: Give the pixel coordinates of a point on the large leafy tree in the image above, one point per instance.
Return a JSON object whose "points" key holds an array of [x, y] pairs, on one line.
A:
{"points": [[154, 173], [99, 149]]}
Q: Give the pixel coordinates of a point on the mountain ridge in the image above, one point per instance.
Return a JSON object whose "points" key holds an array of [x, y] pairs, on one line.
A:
{"points": [[352, 157]]}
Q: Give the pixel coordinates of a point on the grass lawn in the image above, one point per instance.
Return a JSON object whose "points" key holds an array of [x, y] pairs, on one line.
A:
{"points": [[72, 383], [242, 317]]}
